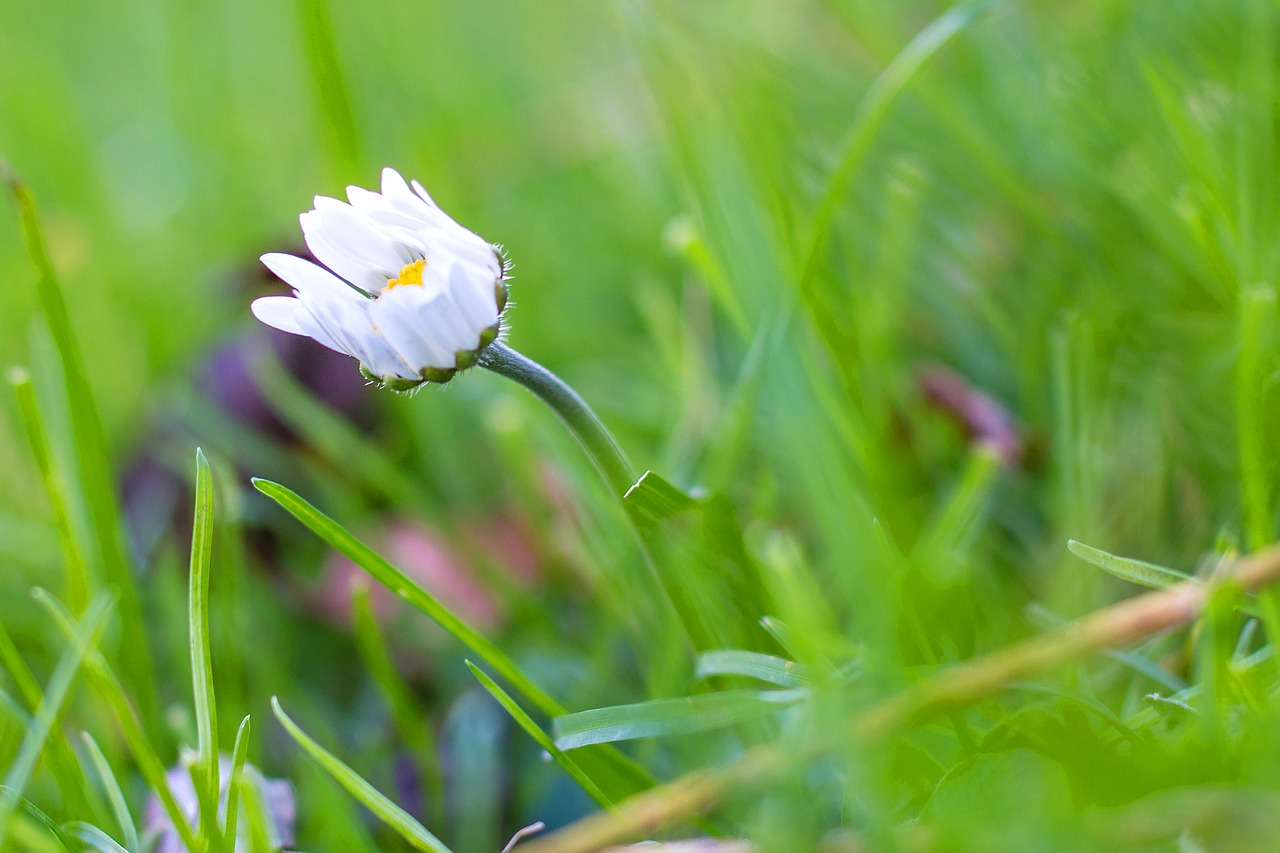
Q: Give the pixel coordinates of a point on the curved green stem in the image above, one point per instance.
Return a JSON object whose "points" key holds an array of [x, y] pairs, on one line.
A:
{"points": [[572, 409], [603, 449]]}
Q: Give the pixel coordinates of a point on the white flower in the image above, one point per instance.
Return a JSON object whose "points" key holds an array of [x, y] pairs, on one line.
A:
{"points": [[415, 297]]}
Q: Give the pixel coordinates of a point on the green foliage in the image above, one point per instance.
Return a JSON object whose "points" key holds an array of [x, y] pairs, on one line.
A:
{"points": [[905, 302]]}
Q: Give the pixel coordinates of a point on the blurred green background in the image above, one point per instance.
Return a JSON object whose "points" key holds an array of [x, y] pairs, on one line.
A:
{"points": [[1071, 209]]}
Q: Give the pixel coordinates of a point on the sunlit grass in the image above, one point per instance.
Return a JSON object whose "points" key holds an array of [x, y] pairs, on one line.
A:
{"points": [[894, 301]]}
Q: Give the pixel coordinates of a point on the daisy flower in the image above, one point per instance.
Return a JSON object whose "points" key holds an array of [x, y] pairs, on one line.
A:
{"points": [[409, 292]]}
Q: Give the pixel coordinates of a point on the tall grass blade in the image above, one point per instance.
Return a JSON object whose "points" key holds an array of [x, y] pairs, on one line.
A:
{"points": [[115, 794], [1126, 568], [239, 755], [84, 636], [206, 711], [539, 736], [396, 581], [388, 812], [90, 448], [665, 717]]}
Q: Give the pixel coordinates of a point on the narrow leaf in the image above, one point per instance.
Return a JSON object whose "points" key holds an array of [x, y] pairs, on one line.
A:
{"points": [[109, 687], [115, 795], [1125, 568], [388, 812], [662, 717], [206, 770], [83, 638], [239, 755], [540, 737], [775, 670], [94, 837], [396, 581], [413, 725]]}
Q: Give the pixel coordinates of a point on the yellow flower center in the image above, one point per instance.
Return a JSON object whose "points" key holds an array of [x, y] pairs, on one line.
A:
{"points": [[410, 275]]}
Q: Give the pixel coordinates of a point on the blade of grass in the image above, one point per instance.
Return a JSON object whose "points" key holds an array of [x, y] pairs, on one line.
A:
{"points": [[108, 687], [239, 755], [37, 438], [334, 437], [1135, 571], [329, 84], [94, 837], [90, 448], [41, 818], [539, 736], [388, 812], [413, 725], [775, 670], [396, 581], [206, 766], [115, 795], [83, 636], [62, 760], [663, 717]]}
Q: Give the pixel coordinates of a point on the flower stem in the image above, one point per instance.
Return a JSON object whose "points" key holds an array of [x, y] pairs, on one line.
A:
{"points": [[572, 409], [609, 458]]}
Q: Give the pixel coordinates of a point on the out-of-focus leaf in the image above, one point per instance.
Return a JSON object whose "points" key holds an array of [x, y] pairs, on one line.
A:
{"points": [[663, 717], [385, 810], [1125, 568], [775, 670]]}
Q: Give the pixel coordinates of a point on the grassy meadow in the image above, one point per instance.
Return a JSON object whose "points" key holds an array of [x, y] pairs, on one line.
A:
{"points": [[937, 328]]}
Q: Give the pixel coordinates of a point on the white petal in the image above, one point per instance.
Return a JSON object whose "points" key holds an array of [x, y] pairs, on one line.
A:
{"points": [[396, 319], [279, 312], [306, 277], [472, 289], [352, 269], [355, 236], [393, 185]]}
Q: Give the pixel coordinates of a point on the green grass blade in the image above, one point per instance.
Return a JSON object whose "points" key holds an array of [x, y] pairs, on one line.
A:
{"points": [[664, 717], [90, 448], [239, 755], [33, 424], [870, 117], [1257, 312], [334, 437], [396, 581], [115, 795], [83, 637], [94, 837], [41, 818], [775, 670], [206, 767], [385, 810], [413, 725], [540, 737], [18, 670], [329, 84], [109, 688], [1125, 568]]}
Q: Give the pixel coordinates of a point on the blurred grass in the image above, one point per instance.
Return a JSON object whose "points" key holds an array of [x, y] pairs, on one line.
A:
{"points": [[1072, 208]]}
